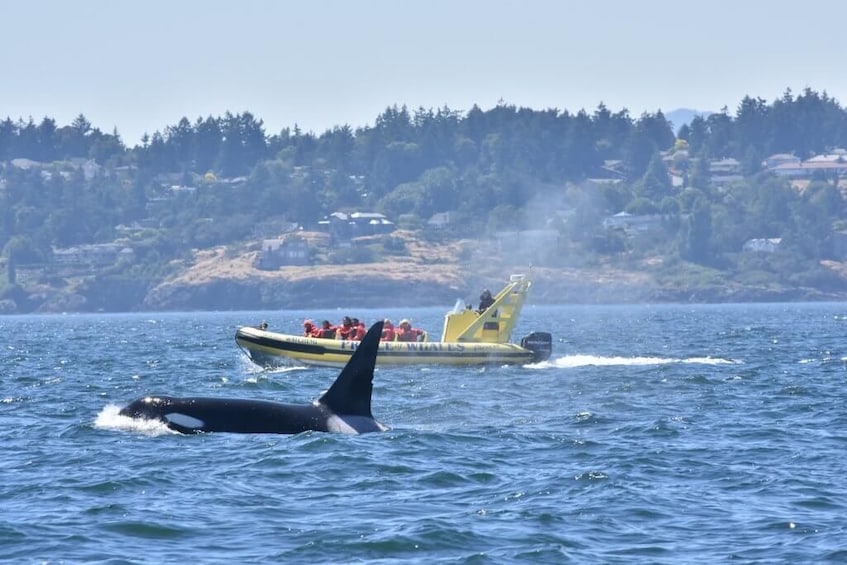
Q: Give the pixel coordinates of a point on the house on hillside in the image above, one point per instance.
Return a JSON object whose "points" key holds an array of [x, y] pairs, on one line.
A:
{"points": [[343, 227], [632, 224], [93, 255], [276, 253], [725, 171], [834, 156], [809, 169], [773, 161], [832, 165], [89, 167], [439, 221]]}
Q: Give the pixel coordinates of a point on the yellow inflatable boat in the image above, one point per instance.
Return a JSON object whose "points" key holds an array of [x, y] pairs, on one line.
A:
{"points": [[468, 338]]}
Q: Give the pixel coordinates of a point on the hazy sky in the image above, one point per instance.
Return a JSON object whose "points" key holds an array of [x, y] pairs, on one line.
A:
{"points": [[140, 66]]}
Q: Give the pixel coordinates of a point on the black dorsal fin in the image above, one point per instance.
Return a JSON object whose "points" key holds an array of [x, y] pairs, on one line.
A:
{"points": [[350, 394]]}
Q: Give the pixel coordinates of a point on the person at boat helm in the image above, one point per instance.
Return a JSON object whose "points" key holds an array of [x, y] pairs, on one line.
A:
{"points": [[309, 328], [326, 331], [405, 332], [485, 301], [388, 333]]}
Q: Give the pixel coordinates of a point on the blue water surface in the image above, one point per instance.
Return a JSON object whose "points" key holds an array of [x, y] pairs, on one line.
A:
{"points": [[654, 434]]}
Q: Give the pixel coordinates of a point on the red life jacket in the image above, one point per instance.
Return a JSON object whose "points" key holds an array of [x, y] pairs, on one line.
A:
{"points": [[358, 332], [345, 332], [388, 333]]}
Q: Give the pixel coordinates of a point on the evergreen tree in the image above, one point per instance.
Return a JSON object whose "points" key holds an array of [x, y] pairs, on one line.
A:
{"points": [[656, 183], [695, 246]]}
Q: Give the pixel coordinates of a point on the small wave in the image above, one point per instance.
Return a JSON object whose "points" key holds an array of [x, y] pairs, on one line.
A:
{"points": [[570, 361], [286, 369], [110, 419], [264, 375], [711, 361]]}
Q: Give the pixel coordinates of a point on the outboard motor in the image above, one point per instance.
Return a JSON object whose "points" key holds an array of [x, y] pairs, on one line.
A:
{"points": [[541, 345]]}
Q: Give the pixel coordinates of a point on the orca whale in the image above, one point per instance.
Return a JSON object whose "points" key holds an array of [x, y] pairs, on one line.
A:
{"points": [[344, 408]]}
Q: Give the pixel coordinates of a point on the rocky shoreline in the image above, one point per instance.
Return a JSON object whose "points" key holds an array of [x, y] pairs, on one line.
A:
{"points": [[372, 290], [219, 280]]}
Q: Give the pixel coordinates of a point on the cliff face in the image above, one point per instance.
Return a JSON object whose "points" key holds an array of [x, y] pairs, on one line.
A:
{"points": [[220, 281]]}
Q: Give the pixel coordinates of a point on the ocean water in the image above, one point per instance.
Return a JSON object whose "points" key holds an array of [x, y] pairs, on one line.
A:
{"points": [[654, 434]]}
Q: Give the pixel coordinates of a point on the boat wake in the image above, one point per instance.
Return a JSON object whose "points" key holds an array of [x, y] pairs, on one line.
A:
{"points": [[110, 419], [571, 361]]}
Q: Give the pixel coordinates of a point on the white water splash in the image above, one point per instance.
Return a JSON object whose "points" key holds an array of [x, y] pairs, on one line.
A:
{"points": [[257, 372], [110, 419], [571, 361]]}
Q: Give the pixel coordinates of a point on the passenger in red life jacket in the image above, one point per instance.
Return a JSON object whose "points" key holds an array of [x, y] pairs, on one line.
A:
{"points": [[345, 330], [326, 331], [388, 333], [309, 328], [359, 330], [405, 332]]}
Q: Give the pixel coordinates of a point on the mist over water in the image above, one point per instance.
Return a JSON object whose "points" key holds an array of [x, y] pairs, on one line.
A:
{"points": [[662, 434]]}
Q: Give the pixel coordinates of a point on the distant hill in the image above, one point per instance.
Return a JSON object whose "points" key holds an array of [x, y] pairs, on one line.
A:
{"points": [[682, 116]]}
